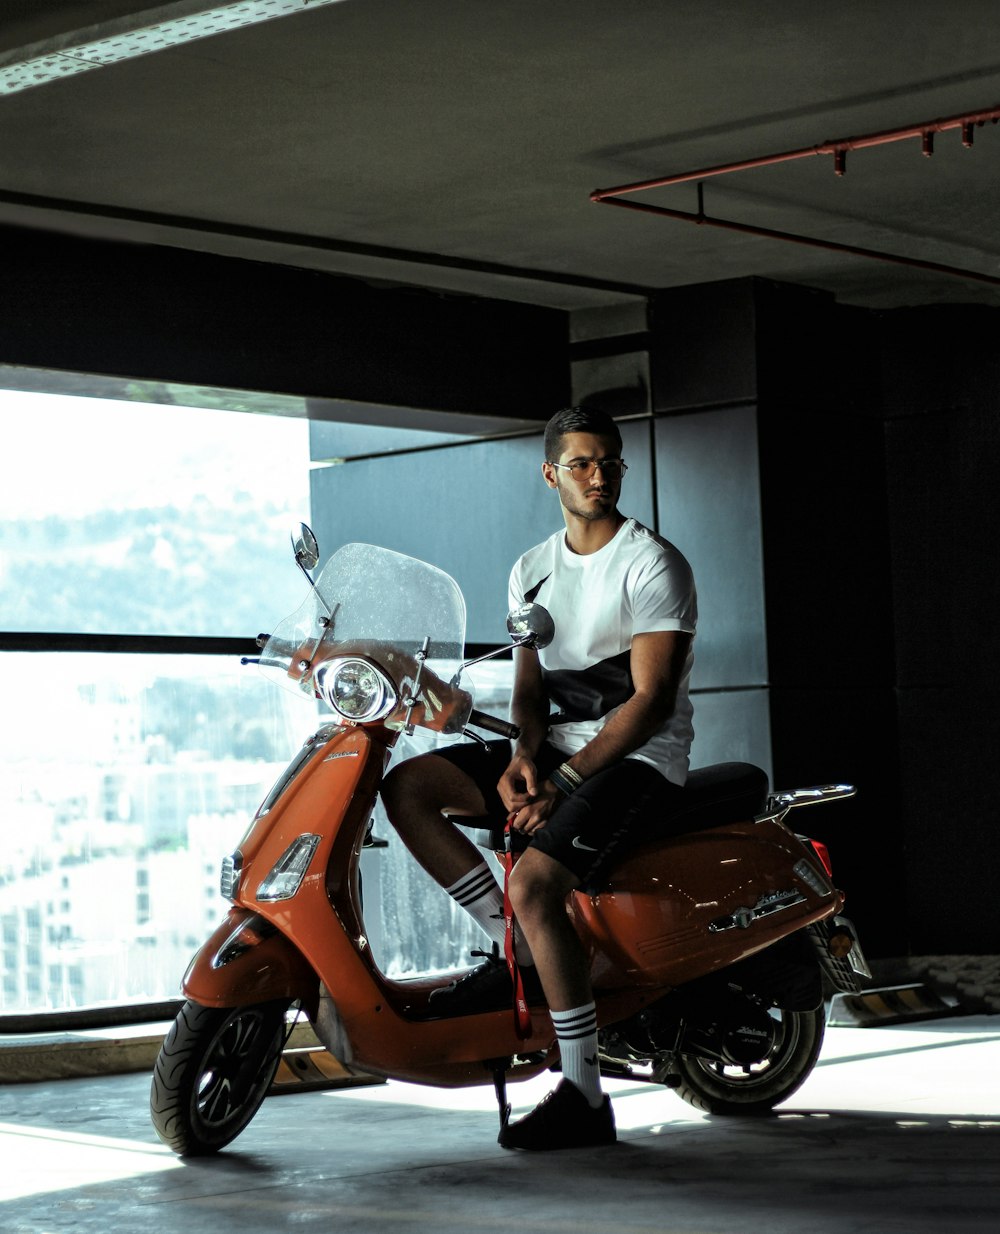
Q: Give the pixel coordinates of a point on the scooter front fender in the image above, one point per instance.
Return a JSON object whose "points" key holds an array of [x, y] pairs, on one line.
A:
{"points": [[248, 960]]}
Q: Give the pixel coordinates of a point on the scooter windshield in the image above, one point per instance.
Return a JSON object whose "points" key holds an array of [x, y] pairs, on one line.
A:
{"points": [[387, 608]]}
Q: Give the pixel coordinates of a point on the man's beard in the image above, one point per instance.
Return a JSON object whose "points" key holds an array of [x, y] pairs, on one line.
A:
{"points": [[593, 510]]}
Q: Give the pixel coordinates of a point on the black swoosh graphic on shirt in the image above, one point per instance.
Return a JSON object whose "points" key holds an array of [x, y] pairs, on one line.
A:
{"points": [[532, 592], [588, 694]]}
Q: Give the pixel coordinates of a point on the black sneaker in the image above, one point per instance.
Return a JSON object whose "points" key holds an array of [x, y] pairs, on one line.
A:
{"points": [[487, 988], [563, 1119]]}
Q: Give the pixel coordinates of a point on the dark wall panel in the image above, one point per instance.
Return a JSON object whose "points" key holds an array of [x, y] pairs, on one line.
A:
{"points": [[827, 565], [951, 855], [943, 448], [827, 577], [938, 357], [703, 354], [813, 354], [704, 349], [785, 511], [830, 735], [880, 510], [943, 468], [709, 506], [193, 318], [732, 726]]}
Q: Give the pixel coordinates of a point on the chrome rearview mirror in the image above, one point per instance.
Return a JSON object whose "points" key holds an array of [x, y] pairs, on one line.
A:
{"points": [[305, 548], [531, 625]]}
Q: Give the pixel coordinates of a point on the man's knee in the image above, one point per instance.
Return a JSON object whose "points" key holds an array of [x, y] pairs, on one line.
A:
{"points": [[394, 783], [539, 884], [408, 780], [432, 782]]}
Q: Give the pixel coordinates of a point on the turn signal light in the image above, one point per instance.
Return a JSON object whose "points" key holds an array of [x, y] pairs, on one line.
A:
{"points": [[839, 944], [289, 870]]}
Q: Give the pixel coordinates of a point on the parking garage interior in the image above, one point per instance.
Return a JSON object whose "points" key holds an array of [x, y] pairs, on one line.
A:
{"points": [[392, 225]]}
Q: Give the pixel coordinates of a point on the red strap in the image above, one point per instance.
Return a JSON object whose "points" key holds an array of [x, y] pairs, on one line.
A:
{"points": [[522, 1016]]}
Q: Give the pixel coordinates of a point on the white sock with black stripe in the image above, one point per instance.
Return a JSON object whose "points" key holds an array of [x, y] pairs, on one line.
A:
{"points": [[479, 893], [576, 1030]]}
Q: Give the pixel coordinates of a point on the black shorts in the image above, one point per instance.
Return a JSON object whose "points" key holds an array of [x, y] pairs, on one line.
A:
{"points": [[614, 810]]}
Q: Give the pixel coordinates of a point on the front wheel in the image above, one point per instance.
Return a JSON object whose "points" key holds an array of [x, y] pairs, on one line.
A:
{"points": [[213, 1072], [724, 1088]]}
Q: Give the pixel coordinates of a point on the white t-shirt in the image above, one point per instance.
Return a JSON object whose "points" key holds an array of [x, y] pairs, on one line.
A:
{"points": [[638, 583]]}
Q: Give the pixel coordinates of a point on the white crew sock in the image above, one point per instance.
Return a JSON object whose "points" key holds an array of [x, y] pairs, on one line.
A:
{"points": [[576, 1031], [479, 893]]}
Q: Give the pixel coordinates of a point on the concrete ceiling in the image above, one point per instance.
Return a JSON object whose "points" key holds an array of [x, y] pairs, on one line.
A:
{"points": [[455, 143]]}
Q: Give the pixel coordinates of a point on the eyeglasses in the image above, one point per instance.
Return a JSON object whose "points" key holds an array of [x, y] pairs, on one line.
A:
{"points": [[584, 468]]}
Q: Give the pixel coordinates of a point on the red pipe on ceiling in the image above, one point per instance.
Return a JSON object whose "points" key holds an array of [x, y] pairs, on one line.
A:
{"points": [[967, 122]]}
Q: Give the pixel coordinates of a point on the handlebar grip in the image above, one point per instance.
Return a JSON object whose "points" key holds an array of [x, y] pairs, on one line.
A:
{"points": [[494, 725]]}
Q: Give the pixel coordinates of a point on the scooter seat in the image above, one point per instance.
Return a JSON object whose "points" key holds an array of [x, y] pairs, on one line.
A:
{"points": [[712, 797], [719, 794]]}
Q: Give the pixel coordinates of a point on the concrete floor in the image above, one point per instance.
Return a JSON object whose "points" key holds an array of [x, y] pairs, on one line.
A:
{"points": [[898, 1129]]}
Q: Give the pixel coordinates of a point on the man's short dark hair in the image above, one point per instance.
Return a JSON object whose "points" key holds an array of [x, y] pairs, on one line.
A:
{"points": [[578, 420]]}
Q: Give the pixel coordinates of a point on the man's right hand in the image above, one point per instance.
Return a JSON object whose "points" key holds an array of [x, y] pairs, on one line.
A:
{"points": [[518, 786]]}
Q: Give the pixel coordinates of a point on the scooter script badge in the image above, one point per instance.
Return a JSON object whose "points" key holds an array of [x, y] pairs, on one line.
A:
{"points": [[743, 918]]}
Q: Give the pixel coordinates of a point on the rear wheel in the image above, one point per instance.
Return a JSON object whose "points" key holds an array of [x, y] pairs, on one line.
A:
{"points": [[756, 1088], [213, 1072]]}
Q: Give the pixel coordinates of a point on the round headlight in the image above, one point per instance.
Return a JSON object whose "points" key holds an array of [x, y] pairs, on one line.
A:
{"points": [[357, 690]]}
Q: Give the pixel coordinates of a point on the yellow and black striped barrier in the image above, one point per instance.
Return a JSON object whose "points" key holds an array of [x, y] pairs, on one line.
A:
{"points": [[308, 1068], [900, 1004]]}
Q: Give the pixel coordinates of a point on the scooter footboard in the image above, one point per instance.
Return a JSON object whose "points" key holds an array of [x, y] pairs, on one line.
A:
{"points": [[248, 960]]}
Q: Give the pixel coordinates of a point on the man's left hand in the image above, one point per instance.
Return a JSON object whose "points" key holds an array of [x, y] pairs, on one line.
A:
{"points": [[533, 816]]}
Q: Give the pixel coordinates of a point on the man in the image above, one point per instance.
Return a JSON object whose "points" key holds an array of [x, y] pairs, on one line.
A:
{"points": [[579, 783]]}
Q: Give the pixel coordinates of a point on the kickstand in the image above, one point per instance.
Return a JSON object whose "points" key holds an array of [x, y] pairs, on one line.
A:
{"points": [[500, 1067]]}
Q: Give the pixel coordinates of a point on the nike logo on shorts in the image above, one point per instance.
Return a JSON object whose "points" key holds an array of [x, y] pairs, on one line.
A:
{"points": [[578, 843]]}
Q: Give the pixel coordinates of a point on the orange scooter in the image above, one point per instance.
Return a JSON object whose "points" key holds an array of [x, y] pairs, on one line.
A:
{"points": [[711, 951]]}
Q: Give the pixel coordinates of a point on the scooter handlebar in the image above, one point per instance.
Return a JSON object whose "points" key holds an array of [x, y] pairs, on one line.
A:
{"points": [[494, 725]]}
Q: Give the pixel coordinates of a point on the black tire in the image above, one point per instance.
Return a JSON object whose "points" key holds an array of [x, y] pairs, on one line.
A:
{"points": [[721, 1088], [213, 1072]]}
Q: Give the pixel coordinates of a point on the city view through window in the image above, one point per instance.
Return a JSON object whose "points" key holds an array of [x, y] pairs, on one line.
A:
{"points": [[124, 778]]}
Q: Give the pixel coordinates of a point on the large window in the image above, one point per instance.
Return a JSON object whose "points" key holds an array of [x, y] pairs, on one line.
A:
{"points": [[134, 540], [131, 519], [124, 777]]}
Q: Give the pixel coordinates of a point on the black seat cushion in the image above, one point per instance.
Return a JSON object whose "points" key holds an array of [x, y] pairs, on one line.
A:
{"points": [[713, 796], [720, 794]]}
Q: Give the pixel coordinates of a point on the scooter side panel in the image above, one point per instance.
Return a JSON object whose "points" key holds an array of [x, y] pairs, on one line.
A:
{"points": [[698, 902], [316, 800], [241, 964], [332, 797]]}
